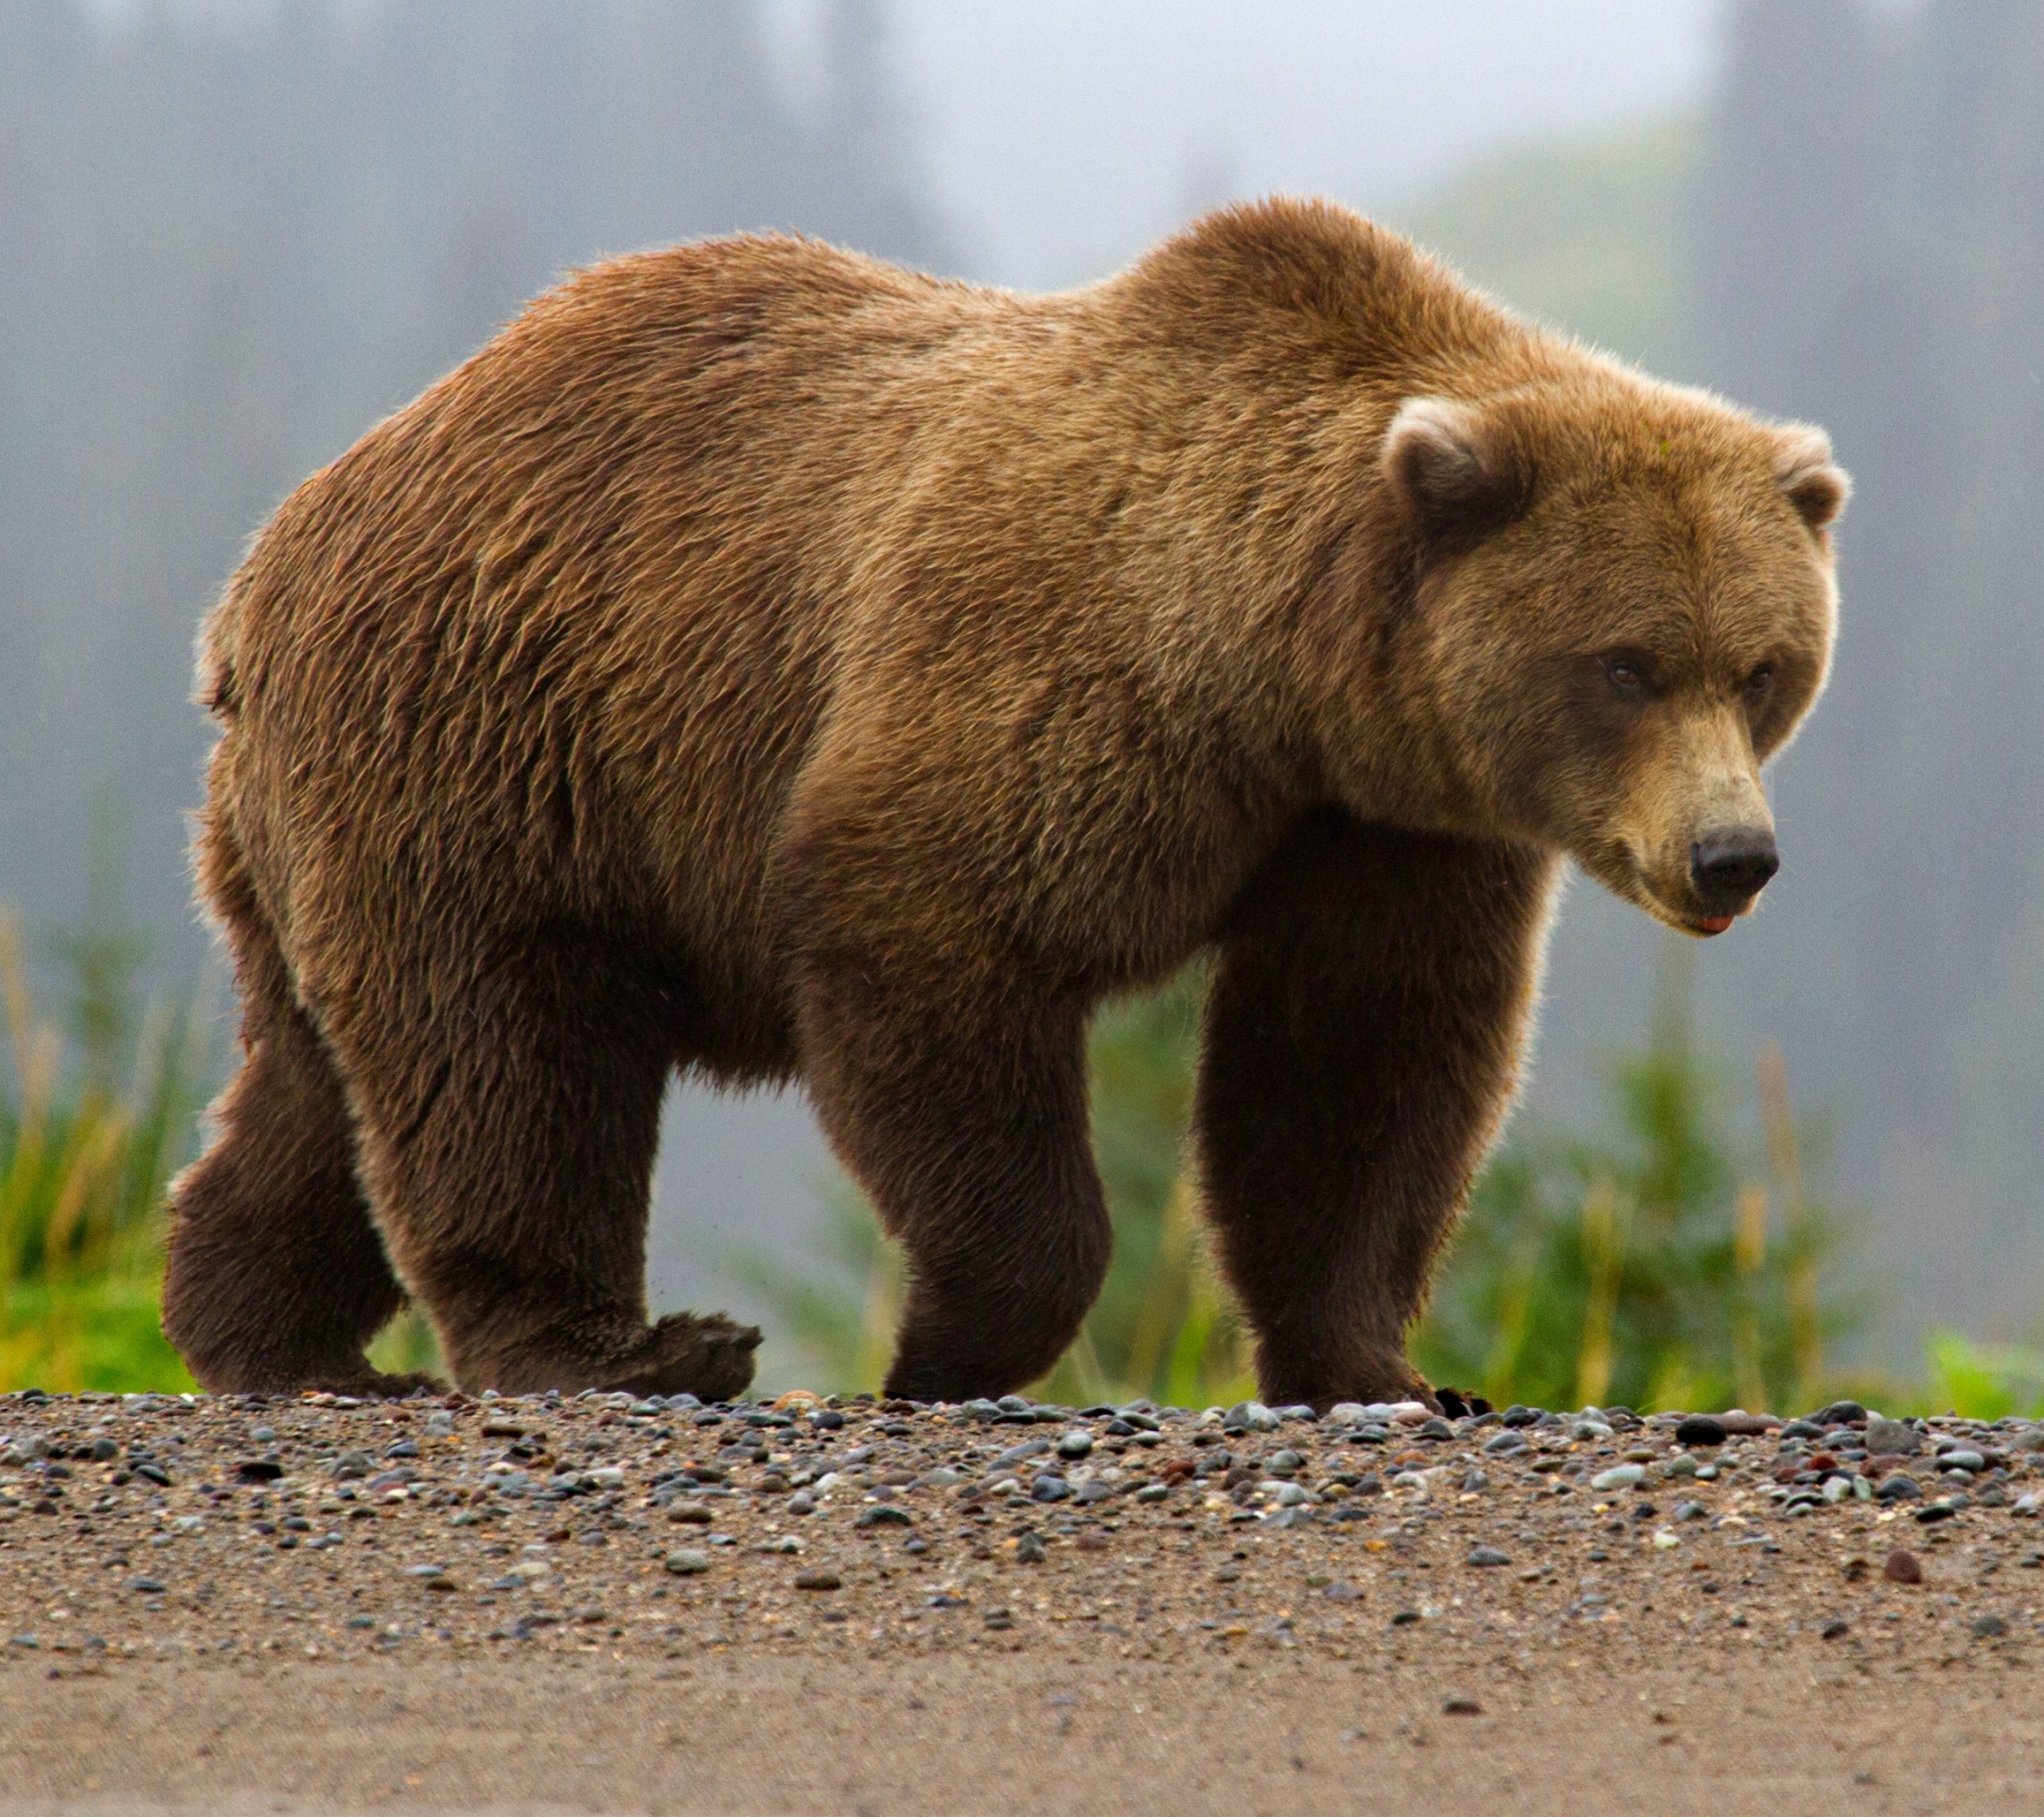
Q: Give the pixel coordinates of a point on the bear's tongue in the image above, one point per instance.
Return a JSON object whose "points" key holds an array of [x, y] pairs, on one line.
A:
{"points": [[1716, 924]]}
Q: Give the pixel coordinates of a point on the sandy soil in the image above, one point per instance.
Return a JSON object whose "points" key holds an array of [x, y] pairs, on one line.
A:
{"points": [[503, 1605]]}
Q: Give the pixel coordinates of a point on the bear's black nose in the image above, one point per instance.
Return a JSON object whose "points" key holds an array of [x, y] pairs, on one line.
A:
{"points": [[1730, 869]]}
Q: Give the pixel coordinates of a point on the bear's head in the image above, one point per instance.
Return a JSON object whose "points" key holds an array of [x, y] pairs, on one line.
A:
{"points": [[1625, 598]]}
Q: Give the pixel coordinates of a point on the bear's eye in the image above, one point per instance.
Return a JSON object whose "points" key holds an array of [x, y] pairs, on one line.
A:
{"points": [[1628, 676], [1760, 683]]}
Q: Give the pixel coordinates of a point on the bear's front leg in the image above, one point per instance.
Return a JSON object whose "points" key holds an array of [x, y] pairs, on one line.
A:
{"points": [[962, 1112], [1368, 1011]]}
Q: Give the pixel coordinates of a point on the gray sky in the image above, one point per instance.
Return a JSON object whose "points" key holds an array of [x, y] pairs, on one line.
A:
{"points": [[1064, 134]]}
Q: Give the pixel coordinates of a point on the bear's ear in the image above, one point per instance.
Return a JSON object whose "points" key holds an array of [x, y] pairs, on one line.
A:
{"points": [[1812, 481], [1456, 475]]}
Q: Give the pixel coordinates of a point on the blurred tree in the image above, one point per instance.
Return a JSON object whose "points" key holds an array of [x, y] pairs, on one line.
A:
{"points": [[1867, 251]]}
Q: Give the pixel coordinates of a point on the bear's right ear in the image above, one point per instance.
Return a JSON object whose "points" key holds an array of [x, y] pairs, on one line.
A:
{"points": [[1455, 475], [1810, 478]]}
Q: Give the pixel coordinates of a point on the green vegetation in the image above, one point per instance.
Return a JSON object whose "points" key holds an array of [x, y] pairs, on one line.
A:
{"points": [[1659, 1264], [94, 1119]]}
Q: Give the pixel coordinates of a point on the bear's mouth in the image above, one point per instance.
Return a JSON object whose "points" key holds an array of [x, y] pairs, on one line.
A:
{"points": [[1685, 917], [1623, 868]]}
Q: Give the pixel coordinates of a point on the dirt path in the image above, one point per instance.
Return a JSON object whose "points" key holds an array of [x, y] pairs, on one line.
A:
{"points": [[521, 1605]]}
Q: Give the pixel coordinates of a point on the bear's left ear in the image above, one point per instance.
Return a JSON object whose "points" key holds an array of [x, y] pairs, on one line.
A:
{"points": [[1458, 475], [1812, 481]]}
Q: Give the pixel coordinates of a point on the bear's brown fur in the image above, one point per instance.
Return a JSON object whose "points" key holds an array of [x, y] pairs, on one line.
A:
{"points": [[765, 663]]}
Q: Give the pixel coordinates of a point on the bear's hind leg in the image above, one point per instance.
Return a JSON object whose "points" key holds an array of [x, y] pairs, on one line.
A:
{"points": [[275, 1276], [1363, 1038], [508, 1148], [969, 1135]]}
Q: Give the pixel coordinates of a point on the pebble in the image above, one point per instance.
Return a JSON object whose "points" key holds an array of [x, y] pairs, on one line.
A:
{"points": [[1311, 1505], [1892, 1439], [1699, 1429], [1903, 1567]]}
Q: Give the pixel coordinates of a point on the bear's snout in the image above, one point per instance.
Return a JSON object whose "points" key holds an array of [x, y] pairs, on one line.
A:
{"points": [[1728, 870]]}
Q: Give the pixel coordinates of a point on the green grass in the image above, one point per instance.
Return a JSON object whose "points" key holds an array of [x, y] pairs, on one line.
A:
{"points": [[91, 1129]]}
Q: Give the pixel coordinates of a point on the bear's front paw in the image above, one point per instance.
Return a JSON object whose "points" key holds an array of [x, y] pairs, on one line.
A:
{"points": [[369, 1384], [704, 1354]]}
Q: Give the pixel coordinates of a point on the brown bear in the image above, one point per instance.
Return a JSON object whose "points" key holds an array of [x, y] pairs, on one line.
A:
{"points": [[764, 662]]}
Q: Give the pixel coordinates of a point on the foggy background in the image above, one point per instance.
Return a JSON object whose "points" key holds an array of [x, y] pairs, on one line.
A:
{"points": [[234, 235]]}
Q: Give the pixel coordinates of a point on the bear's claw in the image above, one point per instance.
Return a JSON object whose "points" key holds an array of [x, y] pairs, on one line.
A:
{"points": [[373, 1383], [705, 1354]]}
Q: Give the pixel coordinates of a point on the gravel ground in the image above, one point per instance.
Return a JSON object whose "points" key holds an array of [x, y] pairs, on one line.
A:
{"points": [[609, 1603]]}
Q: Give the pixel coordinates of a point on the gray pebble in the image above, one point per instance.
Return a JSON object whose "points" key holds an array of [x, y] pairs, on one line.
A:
{"points": [[1892, 1439]]}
